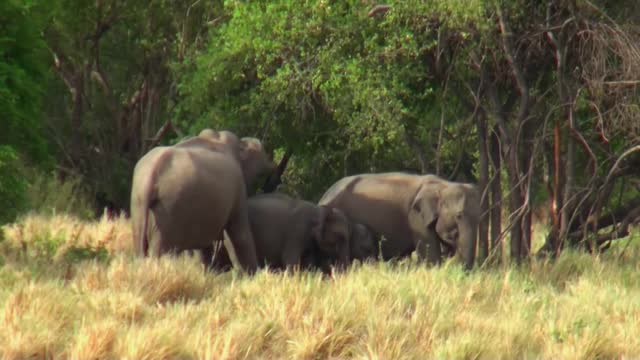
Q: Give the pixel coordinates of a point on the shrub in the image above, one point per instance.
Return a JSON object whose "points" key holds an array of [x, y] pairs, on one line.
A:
{"points": [[13, 186], [49, 195]]}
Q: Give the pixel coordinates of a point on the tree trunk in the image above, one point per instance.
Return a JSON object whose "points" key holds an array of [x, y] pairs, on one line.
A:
{"points": [[515, 202], [483, 226], [76, 119], [525, 171], [526, 221], [496, 198], [553, 239], [516, 155], [569, 167]]}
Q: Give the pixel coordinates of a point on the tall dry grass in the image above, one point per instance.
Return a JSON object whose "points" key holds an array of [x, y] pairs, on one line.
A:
{"points": [[63, 303]]}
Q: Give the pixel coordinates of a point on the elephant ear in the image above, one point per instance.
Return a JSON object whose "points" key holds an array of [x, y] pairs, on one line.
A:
{"points": [[335, 219], [424, 207], [318, 227], [472, 200]]}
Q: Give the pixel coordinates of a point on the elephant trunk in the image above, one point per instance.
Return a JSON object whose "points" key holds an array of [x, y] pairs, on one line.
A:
{"points": [[466, 244]]}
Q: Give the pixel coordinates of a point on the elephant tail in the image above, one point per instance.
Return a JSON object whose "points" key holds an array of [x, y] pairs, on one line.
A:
{"points": [[150, 199]]}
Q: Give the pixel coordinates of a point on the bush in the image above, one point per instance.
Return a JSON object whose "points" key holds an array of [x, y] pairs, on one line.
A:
{"points": [[25, 189], [48, 195], [13, 186]]}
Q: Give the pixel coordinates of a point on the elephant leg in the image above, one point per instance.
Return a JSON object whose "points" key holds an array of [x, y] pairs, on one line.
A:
{"points": [[242, 240], [159, 244], [428, 248], [292, 259], [219, 258], [206, 256], [327, 266]]}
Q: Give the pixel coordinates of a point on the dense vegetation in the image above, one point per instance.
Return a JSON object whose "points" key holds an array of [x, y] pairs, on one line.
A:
{"points": [[535, 101]]}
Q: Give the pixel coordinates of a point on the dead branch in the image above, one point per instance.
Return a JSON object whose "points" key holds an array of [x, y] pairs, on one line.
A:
{"points": [[617, 163], [168, 125], [611, 217], [275, 178], [620, 228], [379, 9]]}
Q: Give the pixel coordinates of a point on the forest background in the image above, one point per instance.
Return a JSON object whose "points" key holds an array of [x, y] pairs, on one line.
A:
{"points": [[535, 101]]}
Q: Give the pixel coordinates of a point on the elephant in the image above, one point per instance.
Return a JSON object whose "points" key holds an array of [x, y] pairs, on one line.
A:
{"points": [[290, 233], [412, 212], [363, 246], [363, 243], [184, 196]]}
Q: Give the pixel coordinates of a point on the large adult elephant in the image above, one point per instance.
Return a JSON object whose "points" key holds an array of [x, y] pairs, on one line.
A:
{"points": [[412, 212], [184, 196], [292, 233]]}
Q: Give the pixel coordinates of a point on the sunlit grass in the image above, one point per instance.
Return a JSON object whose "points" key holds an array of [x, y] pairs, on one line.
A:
{"points": [[61, 302]]}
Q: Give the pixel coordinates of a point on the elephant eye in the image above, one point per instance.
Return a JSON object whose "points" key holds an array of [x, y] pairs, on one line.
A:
{"points": [[416, 206], [459, 215]]}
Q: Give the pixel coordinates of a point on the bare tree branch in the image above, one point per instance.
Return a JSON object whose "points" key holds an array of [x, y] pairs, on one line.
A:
{"points": [[379, 9]]}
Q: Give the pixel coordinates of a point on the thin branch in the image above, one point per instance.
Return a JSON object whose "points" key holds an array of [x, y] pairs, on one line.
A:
{"points": [[617, 163], [379, 9], [160, 134], [183, 39], [621, 83]]}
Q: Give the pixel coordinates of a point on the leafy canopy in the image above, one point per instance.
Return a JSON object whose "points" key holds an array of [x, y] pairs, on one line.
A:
{"points": [[338, 88]]}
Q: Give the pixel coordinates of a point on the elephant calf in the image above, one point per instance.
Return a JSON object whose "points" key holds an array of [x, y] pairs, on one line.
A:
{"points": [[363, 246], [363, 243], [291, 233]]}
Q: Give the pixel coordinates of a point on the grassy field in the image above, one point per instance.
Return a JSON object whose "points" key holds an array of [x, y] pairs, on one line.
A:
{"points": [[73, 290]]}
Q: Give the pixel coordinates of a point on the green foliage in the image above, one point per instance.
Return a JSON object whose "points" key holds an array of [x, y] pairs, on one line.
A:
{"points": [[343, 91], [32, 189], [338, 88], [82, 253], [49, 195], [22, 78], [45, 248], [118, 56], [12, 185]]}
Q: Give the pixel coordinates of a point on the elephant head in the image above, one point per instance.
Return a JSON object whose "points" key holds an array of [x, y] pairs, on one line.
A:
{"points": [[363, 244], [254, 159], [249, 151], [452, 210], [331, 235]]}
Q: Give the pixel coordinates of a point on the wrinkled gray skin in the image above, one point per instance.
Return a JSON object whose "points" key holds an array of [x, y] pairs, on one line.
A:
{"points": [[412, 212], [184, 196], [364, 244], [288, 232]]}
